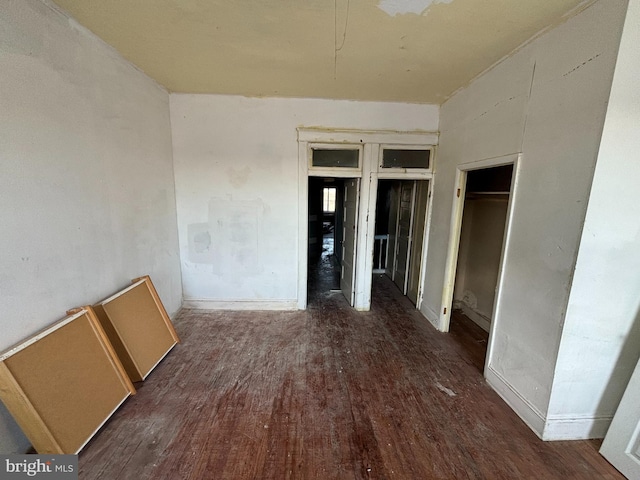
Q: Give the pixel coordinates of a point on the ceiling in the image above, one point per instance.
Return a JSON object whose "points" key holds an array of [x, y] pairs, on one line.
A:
{"points": [[418, 51]]}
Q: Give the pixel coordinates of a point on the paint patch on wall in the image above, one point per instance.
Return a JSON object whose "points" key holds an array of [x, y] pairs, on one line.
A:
{"points": [[200, 245], [235, 226], [230, 240], [202, 242], [238, 177], [403, 7]]}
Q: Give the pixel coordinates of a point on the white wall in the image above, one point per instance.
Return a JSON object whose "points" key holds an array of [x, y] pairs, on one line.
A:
{"points": [[601, 336], [547, 101], [236, 168], [86, 179]]}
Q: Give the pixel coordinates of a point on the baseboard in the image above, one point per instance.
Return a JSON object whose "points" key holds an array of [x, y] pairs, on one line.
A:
{"points": [[576, 427], [553, 427], [206, 304], [477, 318], [430, 315], [527, 412]]}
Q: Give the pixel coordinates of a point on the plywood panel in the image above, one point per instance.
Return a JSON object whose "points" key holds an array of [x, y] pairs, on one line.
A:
{"points": [[63, 384], [138, 326]]}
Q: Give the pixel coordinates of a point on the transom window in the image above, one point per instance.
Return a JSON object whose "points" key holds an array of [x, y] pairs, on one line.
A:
{"points": [[404, 158], [331, 158]]}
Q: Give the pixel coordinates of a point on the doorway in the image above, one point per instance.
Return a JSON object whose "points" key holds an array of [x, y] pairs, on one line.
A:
{"points": [[485, 206], [332, 232], [366, 156], [400, 225]]}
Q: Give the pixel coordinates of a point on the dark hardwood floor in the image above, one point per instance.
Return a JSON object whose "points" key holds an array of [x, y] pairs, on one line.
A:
{"points": [[327, 393]]}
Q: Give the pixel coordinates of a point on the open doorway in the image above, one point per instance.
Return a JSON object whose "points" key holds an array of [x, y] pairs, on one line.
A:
{"points": [[324, 234], [399, 233], [332, 231], [482, 233], [361, 158]]}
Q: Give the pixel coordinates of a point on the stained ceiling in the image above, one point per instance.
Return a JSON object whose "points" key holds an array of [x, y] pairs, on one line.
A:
{"points": [[418, 51]]}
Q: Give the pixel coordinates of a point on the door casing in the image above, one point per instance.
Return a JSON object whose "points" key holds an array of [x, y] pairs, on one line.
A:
{"points": [[369, 171], [621, 445]]}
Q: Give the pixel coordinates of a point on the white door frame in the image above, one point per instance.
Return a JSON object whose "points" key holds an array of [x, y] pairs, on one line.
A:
{"points": [[371, 143], [621, 445], [454, 240]]}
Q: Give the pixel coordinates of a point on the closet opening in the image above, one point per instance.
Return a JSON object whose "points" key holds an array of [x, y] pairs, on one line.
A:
{"points": [[482, 233]]}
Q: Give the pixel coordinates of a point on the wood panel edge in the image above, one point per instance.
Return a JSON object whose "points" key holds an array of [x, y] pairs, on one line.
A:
{"points": [[160, 360], [113, 357], [40, 334], [161, 309], [121, 348], [25, 414]]}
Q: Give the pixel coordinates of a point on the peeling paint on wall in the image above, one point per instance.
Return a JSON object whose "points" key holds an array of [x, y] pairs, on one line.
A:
{"points": [[402, 7]]}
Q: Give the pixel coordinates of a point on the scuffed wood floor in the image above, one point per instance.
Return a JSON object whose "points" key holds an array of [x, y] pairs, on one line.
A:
{"points": [[329, 393]]}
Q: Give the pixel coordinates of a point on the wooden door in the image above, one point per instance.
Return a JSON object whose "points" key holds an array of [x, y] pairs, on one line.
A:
{"points": [[419, 221], [349, 236], [403, 236], [392, 228]]}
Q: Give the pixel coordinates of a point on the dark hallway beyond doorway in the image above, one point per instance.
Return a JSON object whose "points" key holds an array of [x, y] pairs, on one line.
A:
{"points": [[324, 272]]}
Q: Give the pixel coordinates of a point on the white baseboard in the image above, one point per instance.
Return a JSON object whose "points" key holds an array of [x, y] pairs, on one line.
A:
{"points": [[476, 317], [553, 427], [527, 412], [206, 304], [430, 315], [576, 427]]}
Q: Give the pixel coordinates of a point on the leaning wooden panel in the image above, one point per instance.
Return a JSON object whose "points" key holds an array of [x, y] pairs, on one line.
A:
{"points": [[62, 384], [138, 326]]}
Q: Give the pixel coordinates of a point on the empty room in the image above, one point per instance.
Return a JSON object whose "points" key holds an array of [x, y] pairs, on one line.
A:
{"points": [[378, 239]]}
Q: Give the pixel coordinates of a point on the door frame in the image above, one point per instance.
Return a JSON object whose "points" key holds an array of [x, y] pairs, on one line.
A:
{"points": [[371, 143], [621, 445], [451, 265], [375, 178]]}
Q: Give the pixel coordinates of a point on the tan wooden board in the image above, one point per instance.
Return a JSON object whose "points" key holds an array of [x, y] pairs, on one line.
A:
{"points": [[138, 326], [62, 384]]}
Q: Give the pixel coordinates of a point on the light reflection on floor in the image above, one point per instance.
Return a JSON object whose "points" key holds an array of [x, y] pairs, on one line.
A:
{"points": [[324, 272]]}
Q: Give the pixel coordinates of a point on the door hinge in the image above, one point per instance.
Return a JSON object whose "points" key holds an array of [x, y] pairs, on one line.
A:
{"points": [[458, 194], [445, 310]]}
